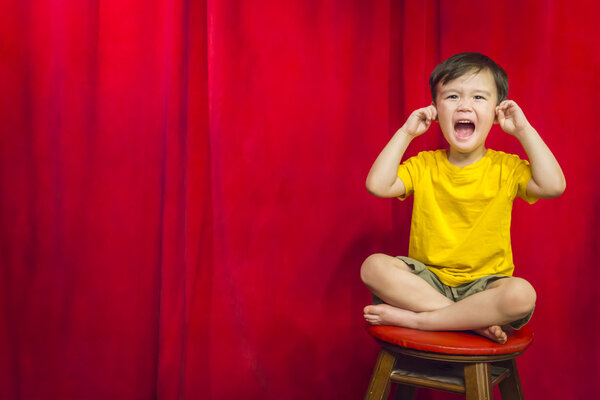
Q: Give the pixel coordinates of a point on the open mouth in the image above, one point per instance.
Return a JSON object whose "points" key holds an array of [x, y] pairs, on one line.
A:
{"points": [[464, 129]]}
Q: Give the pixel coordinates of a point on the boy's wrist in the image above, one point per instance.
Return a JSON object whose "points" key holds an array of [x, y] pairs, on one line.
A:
{"points": [[403, 132], [525, 132]]}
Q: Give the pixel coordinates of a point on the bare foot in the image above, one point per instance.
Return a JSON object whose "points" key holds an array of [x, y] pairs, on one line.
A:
{"points": [[494, 333], [384, 314]]}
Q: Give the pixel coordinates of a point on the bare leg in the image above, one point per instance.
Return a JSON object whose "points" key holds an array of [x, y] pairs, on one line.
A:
{"points": [[384, 314], [504, 301], [392, 280]]}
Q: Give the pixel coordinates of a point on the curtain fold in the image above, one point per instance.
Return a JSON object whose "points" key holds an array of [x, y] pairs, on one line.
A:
{"points": [[182, 202]]}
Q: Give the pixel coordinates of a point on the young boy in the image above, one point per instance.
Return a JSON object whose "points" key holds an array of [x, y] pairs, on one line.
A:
{"points": [[459, 274]]}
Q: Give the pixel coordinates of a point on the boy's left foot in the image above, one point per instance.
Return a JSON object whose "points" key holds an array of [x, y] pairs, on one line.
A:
{"points": [[494, 333]]}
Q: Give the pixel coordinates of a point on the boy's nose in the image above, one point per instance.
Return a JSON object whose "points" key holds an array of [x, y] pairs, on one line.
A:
{"points": [[464, 105]]}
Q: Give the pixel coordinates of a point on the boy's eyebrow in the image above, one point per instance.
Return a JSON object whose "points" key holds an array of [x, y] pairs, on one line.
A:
{"points": [[482, 91]]}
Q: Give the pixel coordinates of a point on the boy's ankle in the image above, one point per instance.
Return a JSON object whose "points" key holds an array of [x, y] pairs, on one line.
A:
{"points": [[421, 321]]}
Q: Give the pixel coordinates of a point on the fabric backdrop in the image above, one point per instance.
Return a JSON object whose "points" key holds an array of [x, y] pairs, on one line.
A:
{"points": [[182, 202]]}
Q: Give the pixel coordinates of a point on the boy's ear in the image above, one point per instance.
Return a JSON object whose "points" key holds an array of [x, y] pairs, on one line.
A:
{"points": [[496, 115], [436, 116]]}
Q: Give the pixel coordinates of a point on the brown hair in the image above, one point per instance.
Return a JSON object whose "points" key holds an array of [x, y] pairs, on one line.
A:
{"points": [[463, 63]]}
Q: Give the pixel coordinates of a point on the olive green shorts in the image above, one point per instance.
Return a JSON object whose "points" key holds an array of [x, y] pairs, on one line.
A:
{"points": [[455, 293]]}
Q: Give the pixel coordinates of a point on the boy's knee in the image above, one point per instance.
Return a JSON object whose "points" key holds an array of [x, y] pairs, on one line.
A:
{"points": [[372, 268], [519, 297]]}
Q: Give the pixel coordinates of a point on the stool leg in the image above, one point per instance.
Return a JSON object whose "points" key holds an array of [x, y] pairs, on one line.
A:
{"points": [[379, 387], [477, 381], [510, 388]]}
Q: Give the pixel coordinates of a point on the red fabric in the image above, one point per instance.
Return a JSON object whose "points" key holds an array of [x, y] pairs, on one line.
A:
{"points": [[457, 343], [182, 203]]}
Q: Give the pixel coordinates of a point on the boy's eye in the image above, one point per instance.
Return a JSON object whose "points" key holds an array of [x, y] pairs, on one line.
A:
{"points": [[452, 96], [479, 97]]}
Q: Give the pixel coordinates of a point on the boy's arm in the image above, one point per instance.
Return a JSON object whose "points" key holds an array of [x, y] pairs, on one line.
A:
{"points": [[383, 180], [547, 179]]}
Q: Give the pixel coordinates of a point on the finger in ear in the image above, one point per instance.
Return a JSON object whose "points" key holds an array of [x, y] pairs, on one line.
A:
{"points": [[498, 111]]}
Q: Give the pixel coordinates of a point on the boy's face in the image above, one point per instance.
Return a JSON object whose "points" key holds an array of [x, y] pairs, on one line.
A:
{"points": [[466, 108]]}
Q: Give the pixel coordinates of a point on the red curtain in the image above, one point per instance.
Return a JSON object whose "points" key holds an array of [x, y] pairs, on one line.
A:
{"points": [[182, 202]]}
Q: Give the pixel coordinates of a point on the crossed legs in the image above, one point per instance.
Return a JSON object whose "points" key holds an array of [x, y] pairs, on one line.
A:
{"points": [[413, 303]]}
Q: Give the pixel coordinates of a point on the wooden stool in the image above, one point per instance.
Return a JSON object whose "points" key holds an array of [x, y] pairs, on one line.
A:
{"points": [[450, 361]]}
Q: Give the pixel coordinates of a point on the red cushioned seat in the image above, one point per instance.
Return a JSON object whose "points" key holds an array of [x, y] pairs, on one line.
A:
{"points": [[459, 343]]}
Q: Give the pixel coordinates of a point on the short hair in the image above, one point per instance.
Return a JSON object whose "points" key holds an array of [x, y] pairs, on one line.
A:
{"points": [[463, 63]]}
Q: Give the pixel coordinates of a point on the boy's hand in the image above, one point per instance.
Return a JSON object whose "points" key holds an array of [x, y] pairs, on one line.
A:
{"points": [[419, 121], [511, 118]]}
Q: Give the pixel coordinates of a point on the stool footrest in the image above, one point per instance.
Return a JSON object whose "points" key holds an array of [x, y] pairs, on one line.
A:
{"points": [[438, 375]]}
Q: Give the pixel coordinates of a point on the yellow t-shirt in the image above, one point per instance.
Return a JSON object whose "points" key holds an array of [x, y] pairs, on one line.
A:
{"points": [[460, 223]]}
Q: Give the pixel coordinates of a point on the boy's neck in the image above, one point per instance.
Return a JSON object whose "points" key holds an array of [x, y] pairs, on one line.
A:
{"points": [[459, 159]]}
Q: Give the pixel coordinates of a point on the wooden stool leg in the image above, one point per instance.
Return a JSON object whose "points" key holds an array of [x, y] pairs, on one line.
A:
{"points": [[379, 388], [477, 381], [510, 388]]}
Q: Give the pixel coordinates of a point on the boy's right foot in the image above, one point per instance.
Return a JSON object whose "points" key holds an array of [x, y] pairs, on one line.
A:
{"points": [[384, 314]]}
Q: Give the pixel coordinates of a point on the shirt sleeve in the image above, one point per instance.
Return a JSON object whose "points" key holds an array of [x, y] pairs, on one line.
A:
{"points": [[408, 173], [521, 177]]}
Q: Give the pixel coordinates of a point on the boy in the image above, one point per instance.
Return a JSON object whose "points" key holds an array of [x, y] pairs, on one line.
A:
{"points": [[459, 274]]}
